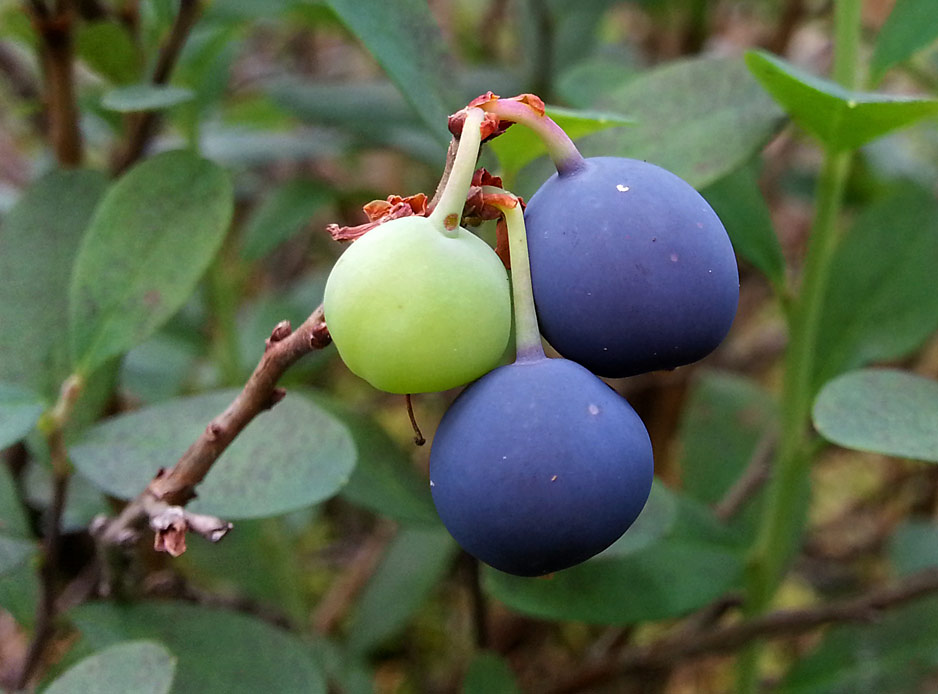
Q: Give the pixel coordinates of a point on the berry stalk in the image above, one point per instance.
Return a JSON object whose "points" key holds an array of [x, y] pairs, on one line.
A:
{"points": [[528, 111], [448, 211], [527, 335]]}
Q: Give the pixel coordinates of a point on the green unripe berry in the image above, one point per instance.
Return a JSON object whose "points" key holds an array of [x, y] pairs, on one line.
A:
{"points": [[414, 309]]}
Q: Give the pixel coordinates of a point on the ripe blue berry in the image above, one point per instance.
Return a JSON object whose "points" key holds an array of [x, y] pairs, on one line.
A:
{"points": [[538, 466], [632, 269]]}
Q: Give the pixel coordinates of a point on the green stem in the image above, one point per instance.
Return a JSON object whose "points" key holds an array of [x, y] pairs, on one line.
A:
{"points": [[566, 157], [527, 335], [448, 212], [784, 511]]}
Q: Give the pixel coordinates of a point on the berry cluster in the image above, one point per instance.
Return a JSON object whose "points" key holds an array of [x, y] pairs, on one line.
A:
{"points": [[539, 464]]}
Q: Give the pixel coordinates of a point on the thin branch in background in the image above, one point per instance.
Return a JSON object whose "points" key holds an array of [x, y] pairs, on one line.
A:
{"points": [[754, 476], [56, 55], [53, 424], [478, 603], [688, 644], [338, 600], [142, 126], [175, 487]]}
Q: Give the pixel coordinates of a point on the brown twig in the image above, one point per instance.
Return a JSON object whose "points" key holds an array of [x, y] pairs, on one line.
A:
{"points": [[754, 476], [685, 645], [341, 595], [53, 423], [142, 126], [56, 54], [175, 487]]}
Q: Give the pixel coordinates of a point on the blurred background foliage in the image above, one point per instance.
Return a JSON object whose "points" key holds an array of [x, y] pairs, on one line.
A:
{"points": [[338, 575]]}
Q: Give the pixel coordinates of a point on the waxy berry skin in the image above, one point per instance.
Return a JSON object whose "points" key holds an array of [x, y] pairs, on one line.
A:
{"points": [[538, 466], [632, 269]]}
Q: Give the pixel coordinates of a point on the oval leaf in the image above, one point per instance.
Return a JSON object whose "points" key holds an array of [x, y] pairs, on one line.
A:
{"points": [[881, 410], [293, 456], [38, 244], [19, 412], [706, 118], [218, 652], [141, 667], [883, 304], [145, 97], [151, 238], [284, 212], [108, 49], [840, 118]]}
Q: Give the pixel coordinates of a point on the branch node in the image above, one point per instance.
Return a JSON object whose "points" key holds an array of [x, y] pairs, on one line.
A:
{"points": [[281, 331], [276, 395]]}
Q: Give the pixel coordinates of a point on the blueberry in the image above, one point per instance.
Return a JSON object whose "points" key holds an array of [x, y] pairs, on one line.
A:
{"points": [[632, 269], [538, 466]]}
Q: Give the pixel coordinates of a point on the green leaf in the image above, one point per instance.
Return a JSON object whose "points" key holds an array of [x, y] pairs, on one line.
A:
{"points": [[145, 97], [910, 27], [489, 673], [405, 39], [19, 412], [384, 480], [739, 203], [14, 552], [218, 652], [84, 500], [840, 118], [882, 303], [519, 145], [914, 547], [881, 410], [19, 593], [889, 656], [13, 520], [38, 243], [696, 562], [699, 118], [109, 50], [283, 213], [142, 667], [151, 238], [416, 560], [653, 523], [293, 456]]}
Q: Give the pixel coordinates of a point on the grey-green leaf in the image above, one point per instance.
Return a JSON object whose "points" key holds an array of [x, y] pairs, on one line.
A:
{"points": [[699, 118], [910, 27], [145, 97], [405, 39], [141, 667], [38, 244], [881, 410], [151, 239], [13, 552], [283, 213], [292, 456], [488, 673], [840, 118], [696, 562], [218, 652], [881, 303], [19, 412], [739, 203], [413, 564]]}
